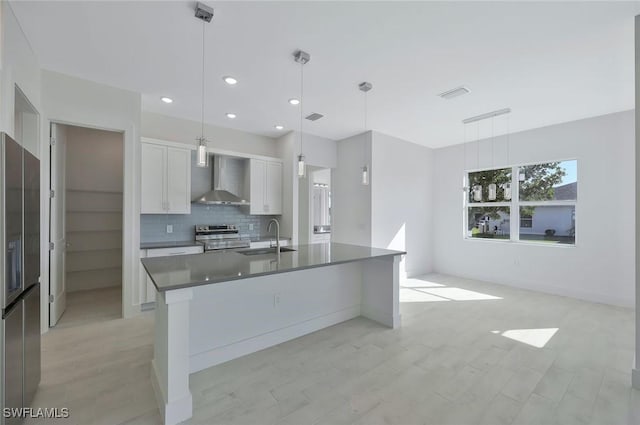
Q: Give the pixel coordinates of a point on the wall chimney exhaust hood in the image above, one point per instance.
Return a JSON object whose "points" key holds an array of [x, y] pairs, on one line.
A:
{"points": [[219, 195]]}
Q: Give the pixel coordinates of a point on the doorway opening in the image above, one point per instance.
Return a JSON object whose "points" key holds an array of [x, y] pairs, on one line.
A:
{"points": [[314, 194], [87, 177]]}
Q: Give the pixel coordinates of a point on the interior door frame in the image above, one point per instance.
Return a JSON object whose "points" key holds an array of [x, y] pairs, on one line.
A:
{"points": [[54, 143], [123, 133]]}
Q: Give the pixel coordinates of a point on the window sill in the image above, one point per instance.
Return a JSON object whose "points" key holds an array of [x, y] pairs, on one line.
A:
{"points": [[508, 241]]}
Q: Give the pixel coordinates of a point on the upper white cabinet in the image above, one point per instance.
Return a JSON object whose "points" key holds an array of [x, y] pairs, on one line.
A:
{"points": [[165, 180], [265, 187]]}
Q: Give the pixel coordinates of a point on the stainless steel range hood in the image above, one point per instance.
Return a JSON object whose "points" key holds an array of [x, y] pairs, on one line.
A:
{"points": [[219, 195]]}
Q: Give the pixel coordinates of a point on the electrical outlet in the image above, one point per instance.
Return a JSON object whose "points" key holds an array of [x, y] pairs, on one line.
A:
{"points": [[169, 228], [276, 300], [250, 226]]}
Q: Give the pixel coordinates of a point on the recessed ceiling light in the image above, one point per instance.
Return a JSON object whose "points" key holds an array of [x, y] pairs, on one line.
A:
{"points": [[166, 99], [294, 101], [279, 127], [230, 80], [231, 115]]}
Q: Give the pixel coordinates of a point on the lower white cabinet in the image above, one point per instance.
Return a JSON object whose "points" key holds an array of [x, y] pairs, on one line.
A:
{"points": [[267, 244], [146, 289], [321, 238]]}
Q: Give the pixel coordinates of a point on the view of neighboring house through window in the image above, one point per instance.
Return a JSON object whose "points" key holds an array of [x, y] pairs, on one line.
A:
{"points": [[539, 198]]}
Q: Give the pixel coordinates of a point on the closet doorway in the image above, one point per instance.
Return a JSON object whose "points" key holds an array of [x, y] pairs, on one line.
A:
{"points": [[86, 225]]}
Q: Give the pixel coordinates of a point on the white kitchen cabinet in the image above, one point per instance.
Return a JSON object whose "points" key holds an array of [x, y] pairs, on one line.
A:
{"points": [[321, 238], [165, 180], [273, 188], [265, 187], [147, 291], [268, 243]]}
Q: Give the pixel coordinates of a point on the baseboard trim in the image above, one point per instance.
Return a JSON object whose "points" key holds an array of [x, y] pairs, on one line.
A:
{"points": [[225, 353]]}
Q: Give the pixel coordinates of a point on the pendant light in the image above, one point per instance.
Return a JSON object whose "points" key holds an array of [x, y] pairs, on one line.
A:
{"points": [[302, 58], [204, 13], [365, 87], [477, 189]]}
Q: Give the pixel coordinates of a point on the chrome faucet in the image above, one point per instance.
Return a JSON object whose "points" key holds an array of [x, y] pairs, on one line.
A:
{"points": [[273, 220]]}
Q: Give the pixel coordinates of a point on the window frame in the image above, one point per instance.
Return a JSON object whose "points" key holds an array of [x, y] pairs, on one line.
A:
{"points": [[514, 205]]}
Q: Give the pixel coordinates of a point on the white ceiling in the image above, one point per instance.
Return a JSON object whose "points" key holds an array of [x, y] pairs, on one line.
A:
{"points": [[550, 62]]}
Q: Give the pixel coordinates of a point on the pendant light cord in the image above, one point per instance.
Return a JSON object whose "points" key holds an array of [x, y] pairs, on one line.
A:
{"points": [[508, 139], [203, 52], [365, 126], [301, 100], [464, 148], [478, 145], [493, 136]]}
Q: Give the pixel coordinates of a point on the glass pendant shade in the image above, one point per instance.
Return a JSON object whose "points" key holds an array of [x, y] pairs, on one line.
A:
{"points": [[477, 193], [302, 169], [365, 175], [506, 188], [202, 157], [493, 192]]}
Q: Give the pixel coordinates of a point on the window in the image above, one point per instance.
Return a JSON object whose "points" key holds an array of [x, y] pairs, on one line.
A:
{"points": [[540, 198], [526, 220]]}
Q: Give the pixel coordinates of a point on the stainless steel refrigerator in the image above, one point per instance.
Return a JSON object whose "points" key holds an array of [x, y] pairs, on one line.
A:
{"points": [[20, 262]]}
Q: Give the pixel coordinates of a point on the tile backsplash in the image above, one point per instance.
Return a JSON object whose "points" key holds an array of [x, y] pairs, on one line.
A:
{"points": [[153, 227]]}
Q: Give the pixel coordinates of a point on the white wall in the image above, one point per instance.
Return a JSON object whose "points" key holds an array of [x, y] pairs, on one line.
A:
{"points": [[401, 208], [319, 152], [164, 127], [601, 266], [70, 100], [350, 199], [287, 150]]}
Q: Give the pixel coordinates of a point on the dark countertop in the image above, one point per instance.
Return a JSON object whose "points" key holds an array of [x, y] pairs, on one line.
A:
{"points": [[168, 244], [185, 271]]}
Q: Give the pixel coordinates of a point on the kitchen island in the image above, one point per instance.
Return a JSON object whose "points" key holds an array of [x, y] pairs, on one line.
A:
{"points": [[215, 307]]}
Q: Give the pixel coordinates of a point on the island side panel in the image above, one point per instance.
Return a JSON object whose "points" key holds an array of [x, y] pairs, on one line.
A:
{"points": [[170, 365], [381, 290], [232, 319]]}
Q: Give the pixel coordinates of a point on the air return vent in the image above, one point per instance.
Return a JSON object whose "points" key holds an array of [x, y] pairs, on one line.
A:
{"points": [[458, 91], [314, 117]]}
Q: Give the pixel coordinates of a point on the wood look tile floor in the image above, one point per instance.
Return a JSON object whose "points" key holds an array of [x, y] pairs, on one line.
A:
{"points": [[95, 305], [468, 352]]}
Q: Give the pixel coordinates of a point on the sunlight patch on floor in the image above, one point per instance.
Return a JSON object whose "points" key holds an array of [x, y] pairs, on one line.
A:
{"points": [[408, 282], [458, 294], [415, 290], [409, 295], [535, 337]]}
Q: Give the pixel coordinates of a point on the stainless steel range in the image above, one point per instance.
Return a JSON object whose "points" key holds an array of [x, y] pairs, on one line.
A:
{"points": [[220, 236]]}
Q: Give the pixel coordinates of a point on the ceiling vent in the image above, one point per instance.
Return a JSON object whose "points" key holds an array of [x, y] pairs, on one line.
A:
{"points": [[450, 94], [314, 117]]}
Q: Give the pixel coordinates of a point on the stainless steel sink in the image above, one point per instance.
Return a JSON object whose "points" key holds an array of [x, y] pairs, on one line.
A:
{"points": [[263, 251]]}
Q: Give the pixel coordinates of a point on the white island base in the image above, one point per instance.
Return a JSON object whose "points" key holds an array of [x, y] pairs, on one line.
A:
{"points": [[202, 326]]}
